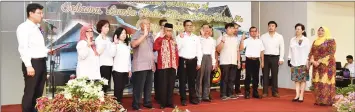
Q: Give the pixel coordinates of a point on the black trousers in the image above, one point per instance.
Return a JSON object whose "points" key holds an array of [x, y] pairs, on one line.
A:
{"points": [[120, 79], [228, 77], [237, 81], [252, 71], [166, 81], [271, 63], [156, 84], [106, 72], [142, 82], [187, 74], [34, 85]]}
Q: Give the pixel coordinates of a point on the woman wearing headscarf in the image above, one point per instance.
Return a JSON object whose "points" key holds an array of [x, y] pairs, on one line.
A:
{"points": [[298, 59], [323, 61], [88, 58]]}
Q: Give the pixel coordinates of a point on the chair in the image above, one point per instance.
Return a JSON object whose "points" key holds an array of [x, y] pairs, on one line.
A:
{"points": [[338, 66]]}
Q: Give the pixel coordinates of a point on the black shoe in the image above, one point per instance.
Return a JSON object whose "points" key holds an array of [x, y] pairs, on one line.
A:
{"points": [[257, 96], [247, 96], [162, 107], [295, 100], [183, 103], [195, 102], [136, 108], [206, 100], [171, 106], [148, 106], [300, 100]]}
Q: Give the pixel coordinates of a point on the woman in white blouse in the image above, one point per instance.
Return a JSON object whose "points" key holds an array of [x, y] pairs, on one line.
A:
{"points": [[121, 52], [88, 59], [103, 44], [298, 60]]}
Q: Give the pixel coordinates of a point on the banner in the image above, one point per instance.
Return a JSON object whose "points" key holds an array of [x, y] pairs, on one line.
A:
{"points": [[66, 19]]}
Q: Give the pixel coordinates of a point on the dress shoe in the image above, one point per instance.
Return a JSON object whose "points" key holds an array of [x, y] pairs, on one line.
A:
{"points": [[195, 102], [295, 100], [148, 106], [206, 100], [276, 95], [171, 106], [300, 100], [183, 103], [136, 108], [256, 96]]}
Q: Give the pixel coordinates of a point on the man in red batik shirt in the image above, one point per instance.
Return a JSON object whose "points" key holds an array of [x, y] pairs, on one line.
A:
{"points": [[167, 65]]}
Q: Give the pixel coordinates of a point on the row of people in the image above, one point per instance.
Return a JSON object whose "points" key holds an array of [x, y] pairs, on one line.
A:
{"points": [[192, 57]]}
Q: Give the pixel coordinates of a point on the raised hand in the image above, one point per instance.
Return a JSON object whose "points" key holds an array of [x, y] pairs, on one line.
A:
{"points": [[243, 36], [202, 32], [182, 35], [115, 40], [146, 30]]}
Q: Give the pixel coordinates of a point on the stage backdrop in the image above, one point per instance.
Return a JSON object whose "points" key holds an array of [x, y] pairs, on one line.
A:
{"points": [[66, 19]]}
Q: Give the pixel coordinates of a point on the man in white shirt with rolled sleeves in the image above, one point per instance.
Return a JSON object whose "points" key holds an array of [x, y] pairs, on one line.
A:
{"points": [[274, 56], [33, 53]]}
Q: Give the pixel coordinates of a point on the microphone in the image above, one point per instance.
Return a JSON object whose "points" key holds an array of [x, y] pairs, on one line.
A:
{"points": [[50, 24]]}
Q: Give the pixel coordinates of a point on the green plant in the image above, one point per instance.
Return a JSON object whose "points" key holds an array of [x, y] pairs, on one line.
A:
{"points": [[345, 99], [80, 95], [345, 90]]}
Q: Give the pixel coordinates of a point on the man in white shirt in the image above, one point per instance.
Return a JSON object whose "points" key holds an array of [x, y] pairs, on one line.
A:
{"points": [[159, 34], [228, 48], [190, 57], [254, 54], [208, 46], [274, 56], [33, 54], [239, 70], [350, 65]]}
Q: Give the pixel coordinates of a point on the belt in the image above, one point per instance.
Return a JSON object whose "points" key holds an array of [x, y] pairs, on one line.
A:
{"points": [[44, 58], [188, 59], [253, 58], [272, 55]]}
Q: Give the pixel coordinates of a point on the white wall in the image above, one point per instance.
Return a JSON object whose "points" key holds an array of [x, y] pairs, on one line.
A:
{"points": [[339, 18], [286, 15], [12, 81]]}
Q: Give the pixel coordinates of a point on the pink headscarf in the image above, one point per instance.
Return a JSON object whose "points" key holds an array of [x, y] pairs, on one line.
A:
{"points": [[83, 36]]}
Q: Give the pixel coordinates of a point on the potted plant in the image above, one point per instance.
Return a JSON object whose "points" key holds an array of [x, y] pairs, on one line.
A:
{"points": [[80, 95], [345, 99]]}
